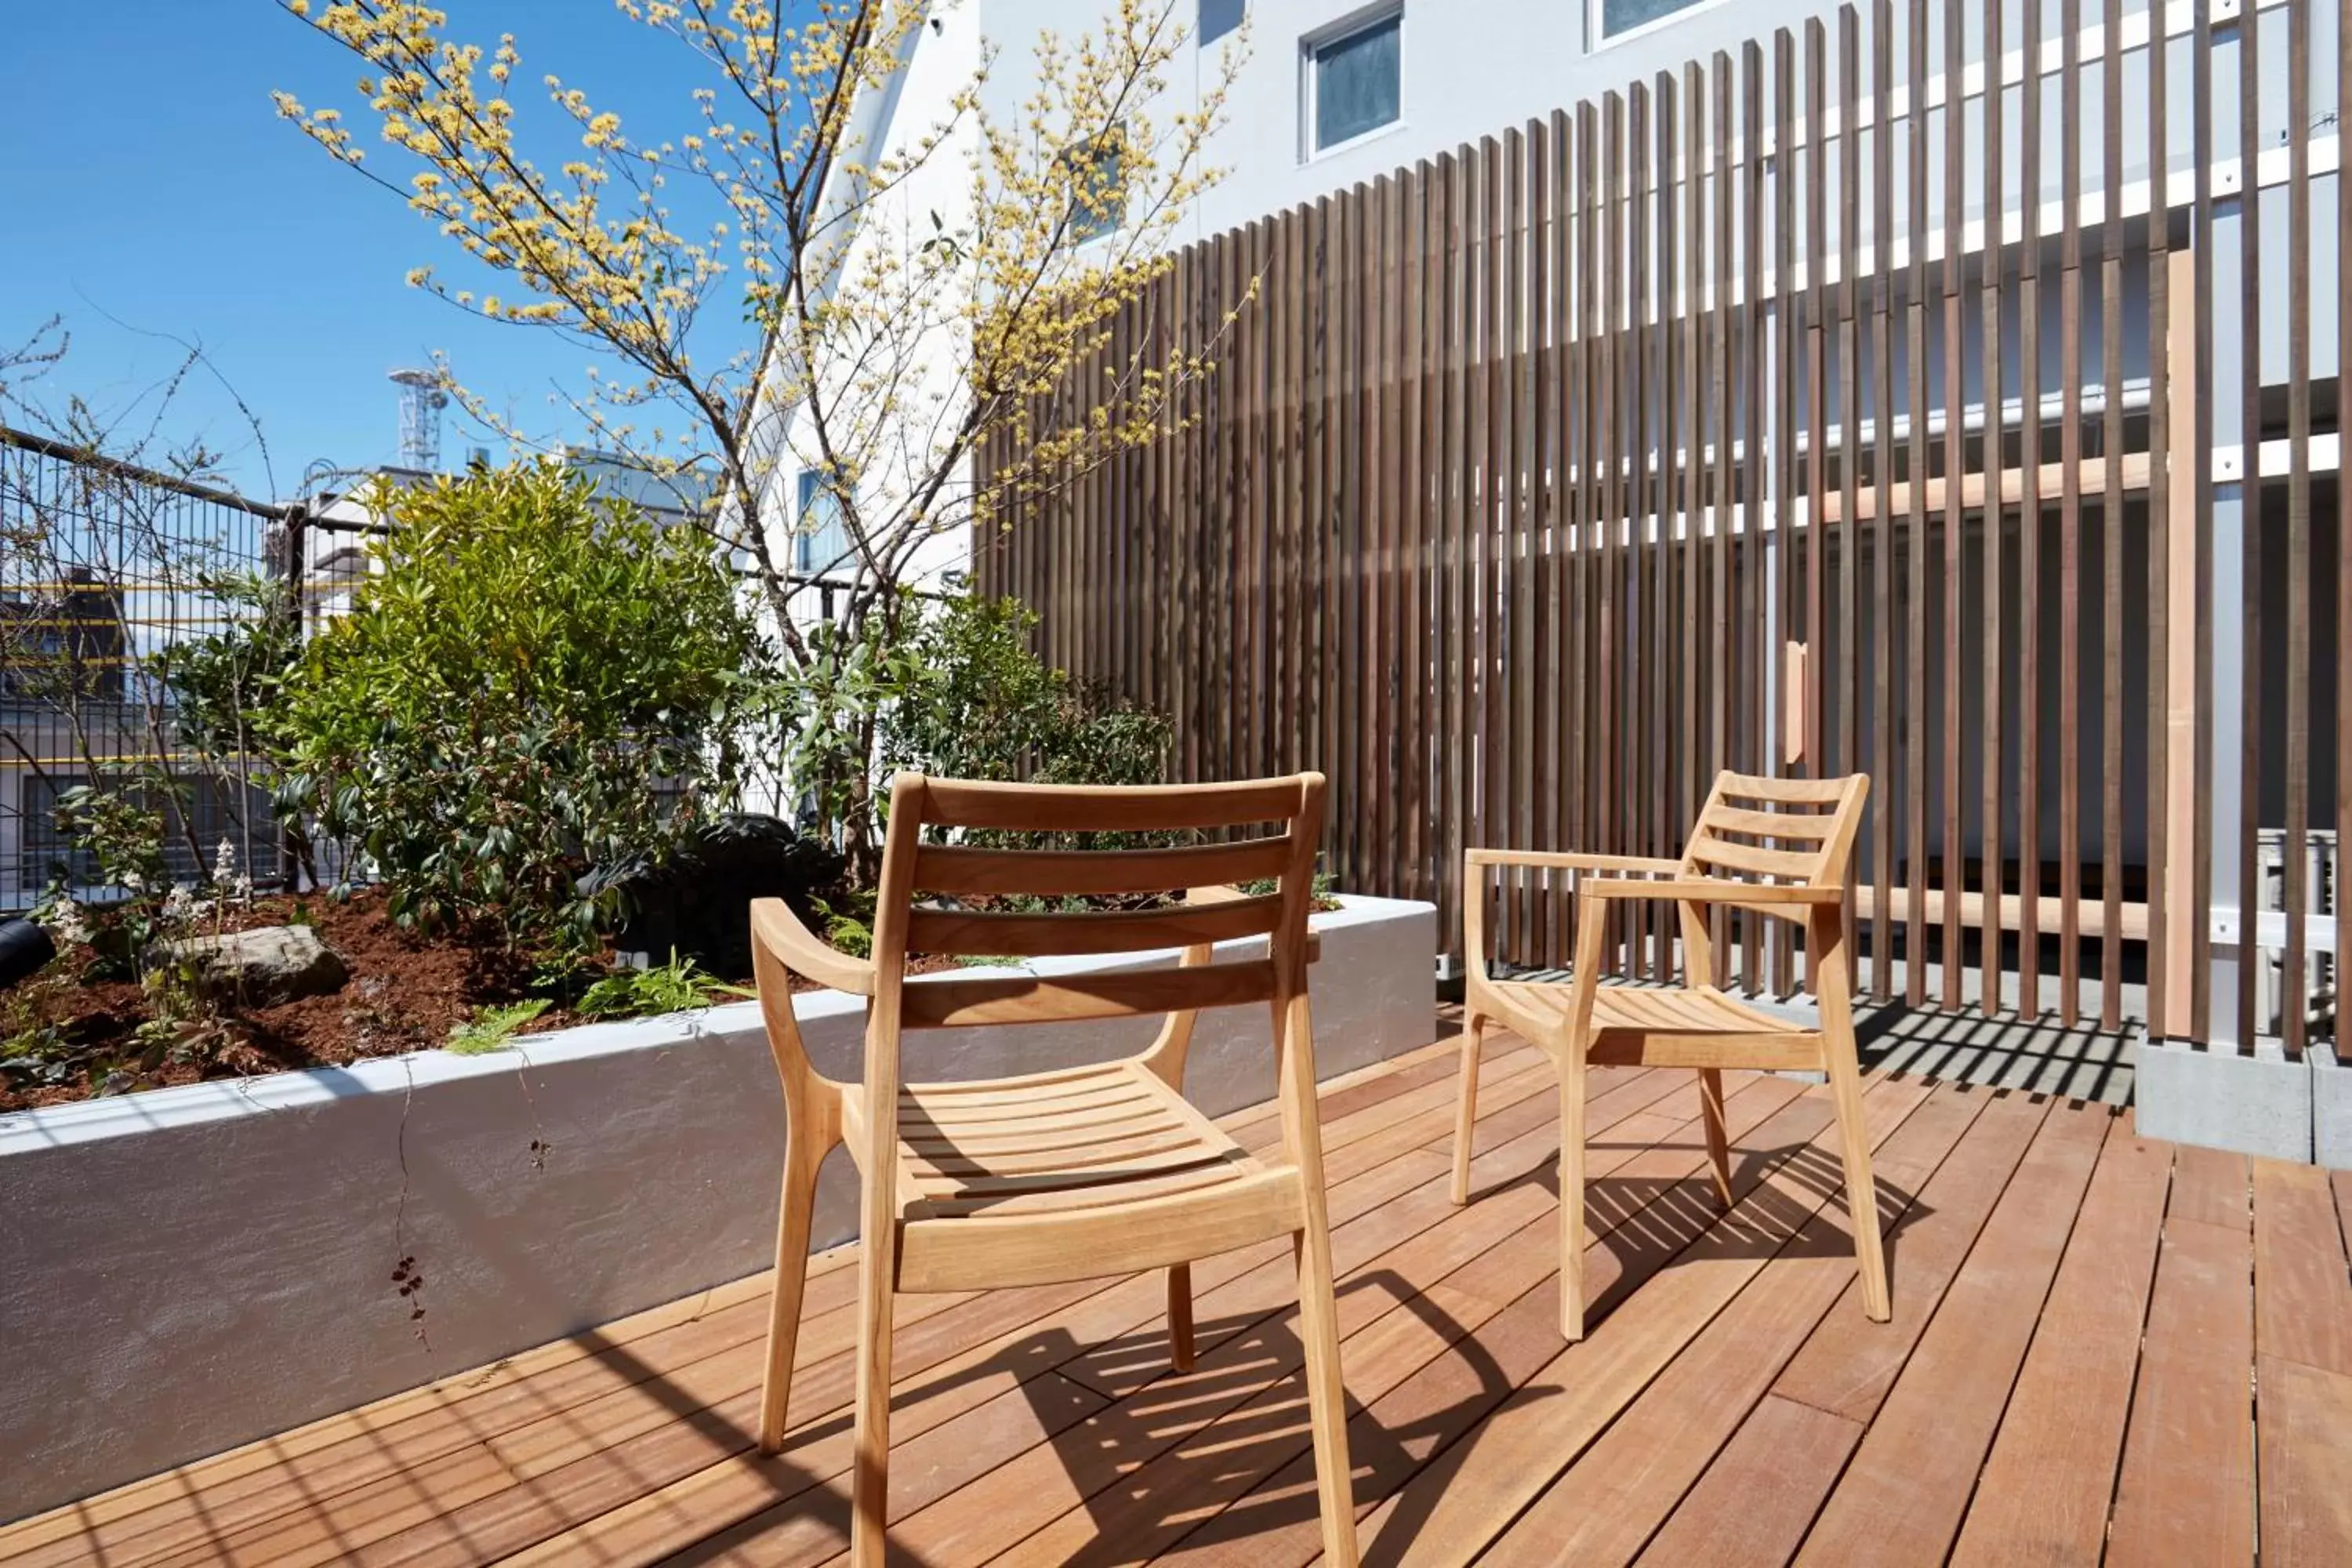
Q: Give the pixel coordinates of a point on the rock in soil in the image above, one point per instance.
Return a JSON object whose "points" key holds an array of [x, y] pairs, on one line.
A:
{"points": [[262, 967]]}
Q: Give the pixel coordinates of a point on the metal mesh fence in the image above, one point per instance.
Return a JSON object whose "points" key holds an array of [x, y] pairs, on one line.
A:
{"points": [[105, 568]]}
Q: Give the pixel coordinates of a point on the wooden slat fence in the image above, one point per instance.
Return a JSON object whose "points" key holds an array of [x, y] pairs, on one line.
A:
{"points": [[1526, 470]]}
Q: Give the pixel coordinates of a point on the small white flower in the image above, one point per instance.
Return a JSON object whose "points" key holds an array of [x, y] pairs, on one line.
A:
{"points": [[181, 905], [66, 922], [223, 861]]}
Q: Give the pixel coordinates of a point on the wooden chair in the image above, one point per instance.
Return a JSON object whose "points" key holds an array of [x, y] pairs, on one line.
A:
{"points": [[1078, 1171], [1778, 847]]}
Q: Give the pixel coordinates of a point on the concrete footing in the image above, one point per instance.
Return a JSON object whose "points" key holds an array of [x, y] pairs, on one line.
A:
{"points": [[2260, 1103]]}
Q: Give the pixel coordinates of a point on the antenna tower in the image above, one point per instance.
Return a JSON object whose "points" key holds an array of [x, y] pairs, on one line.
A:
{"points": [[421, 403]]}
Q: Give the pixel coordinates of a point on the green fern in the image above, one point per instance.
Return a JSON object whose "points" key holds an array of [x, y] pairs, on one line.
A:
{"points": [[492, 1028]]}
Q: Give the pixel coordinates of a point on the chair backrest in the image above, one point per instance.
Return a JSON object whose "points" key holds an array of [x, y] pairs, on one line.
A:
{"points": [[1793, 832], [918, 905]]}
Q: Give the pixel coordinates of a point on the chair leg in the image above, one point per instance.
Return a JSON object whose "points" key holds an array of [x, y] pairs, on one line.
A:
{"points": [[1465, 1111], [1179, 1316], [1327, 1400], [870, 1487], [1861, 1195], [1572, 1195], [784, 1299], [1718, 1140]]}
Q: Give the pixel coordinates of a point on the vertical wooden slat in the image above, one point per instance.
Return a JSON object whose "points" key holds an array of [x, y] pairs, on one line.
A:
{"points": [[2031, 518], [1988, 290], [1756, 756], [2250, 435], [1818, 333], [2070, 529], [1784, 426], [1552, 416], [1689, 573], [1886, 807], [1955, 869], [1489, 418], [1916, 791], [1653, 185], [1687, 604], [2342, 907], [1458, 177], [2292, 985], [1514, 672], [1378, 433], [1614, 425], [1850, 410], [2111, 533], [1414, 413], [1720, 512], [1591, 688], [2201, 308]]}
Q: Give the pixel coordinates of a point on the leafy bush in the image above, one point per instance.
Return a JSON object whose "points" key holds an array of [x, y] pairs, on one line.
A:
{"points": [[978, 703], [539, 682], [224, 683]]}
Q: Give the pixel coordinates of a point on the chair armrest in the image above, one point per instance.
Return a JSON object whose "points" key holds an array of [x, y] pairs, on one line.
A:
{"points": [[1552, 860], [1710, 891], [800, 950]]}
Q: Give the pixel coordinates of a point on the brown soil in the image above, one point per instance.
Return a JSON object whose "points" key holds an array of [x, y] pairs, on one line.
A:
{"points": [[405, 993]]}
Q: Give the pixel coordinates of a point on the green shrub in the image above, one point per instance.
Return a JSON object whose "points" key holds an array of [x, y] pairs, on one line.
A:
{"points": [[536, 683], [978, 703]]}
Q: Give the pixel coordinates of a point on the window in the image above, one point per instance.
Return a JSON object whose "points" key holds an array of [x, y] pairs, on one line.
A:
{"points": [[1354, 82], [822, 541], [1614, 18], [1097, 194]]}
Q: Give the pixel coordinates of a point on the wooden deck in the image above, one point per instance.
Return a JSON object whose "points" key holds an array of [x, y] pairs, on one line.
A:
{"points": [[2100, 1345]]}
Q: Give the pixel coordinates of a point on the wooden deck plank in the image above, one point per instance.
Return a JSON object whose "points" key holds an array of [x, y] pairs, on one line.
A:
{"points": [[1500, 1314], [1232, 1293], [2210, 1187], [1846, 1372], [1849, 1374], [1760, 1496], [1902, 1498], [2303, 1297], [1626, 1484], [1447, 1511], [578, 1469], [1162, 1460], [2186, 1492], [2305, 1433], [2046, 1488]]}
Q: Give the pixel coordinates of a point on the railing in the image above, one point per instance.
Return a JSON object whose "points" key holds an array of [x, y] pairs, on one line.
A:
{"points": [[104, 568], [1876, 400]]}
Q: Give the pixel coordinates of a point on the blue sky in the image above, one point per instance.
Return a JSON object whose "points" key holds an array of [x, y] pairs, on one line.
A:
{"points": [[150, 180]]}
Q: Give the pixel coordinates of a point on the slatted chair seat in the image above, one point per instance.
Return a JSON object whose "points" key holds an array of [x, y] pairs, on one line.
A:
{"points": [[1775, 847], [1075, 1173], [1102, 1137], [1663, 1009]]}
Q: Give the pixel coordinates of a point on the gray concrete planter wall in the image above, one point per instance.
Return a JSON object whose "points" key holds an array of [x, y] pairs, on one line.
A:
{"points": [[2250, 1103], [188, 1269]]}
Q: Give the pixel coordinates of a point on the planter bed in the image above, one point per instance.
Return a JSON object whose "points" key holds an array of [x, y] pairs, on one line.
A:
{"points": [[193, 1267]]}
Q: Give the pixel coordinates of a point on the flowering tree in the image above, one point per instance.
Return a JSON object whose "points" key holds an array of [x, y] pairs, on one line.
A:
{"points": [[872, 314]]}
